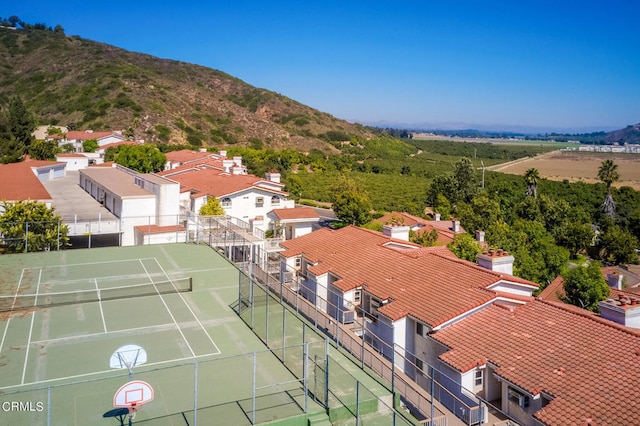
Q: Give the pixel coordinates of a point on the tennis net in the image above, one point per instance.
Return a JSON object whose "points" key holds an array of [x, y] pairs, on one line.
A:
{"points": [[26, 301]]}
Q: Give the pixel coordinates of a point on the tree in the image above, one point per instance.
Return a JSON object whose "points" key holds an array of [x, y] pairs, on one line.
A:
{"points": [[531, 177], [576, 237], [426, 239], [351, 203], [608, 174], [584, 286], [293, 186], [43, 150], [90, 145], [141, 158], [618, 246], [21, 121], [28, 226], [211, 208], [465, 247], [10, 149], [464, 178]]}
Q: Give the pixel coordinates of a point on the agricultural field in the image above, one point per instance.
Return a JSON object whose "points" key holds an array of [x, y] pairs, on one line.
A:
{"points": [[576, 167]]}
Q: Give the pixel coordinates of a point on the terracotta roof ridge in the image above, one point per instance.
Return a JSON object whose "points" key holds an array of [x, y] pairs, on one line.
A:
{"points": [[590, 316]]}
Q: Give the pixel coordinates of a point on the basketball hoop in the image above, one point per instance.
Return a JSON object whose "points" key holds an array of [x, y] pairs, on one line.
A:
{"points": [[132, 396], [128, 356]]}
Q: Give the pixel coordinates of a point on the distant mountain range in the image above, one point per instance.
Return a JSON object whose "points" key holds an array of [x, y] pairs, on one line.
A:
{"points": [[83, 84], [629, 135]]}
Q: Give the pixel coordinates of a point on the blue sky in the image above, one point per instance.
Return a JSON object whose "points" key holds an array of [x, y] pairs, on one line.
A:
{"points": [[531, 64]]}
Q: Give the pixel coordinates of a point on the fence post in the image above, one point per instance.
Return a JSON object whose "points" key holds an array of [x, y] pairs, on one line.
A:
{"points": [[58, 234], [306, 376], [326, 374], [195, 394], [432, 394], [49, 406], [253, 396], [357, 402], [26, 237]]}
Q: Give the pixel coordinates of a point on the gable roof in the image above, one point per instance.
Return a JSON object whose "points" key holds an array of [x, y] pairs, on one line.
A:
{"points": [[444, 228], [404, 273], [203, 180], [19, 182], [295, 213], [86, 135], [587, 365]]}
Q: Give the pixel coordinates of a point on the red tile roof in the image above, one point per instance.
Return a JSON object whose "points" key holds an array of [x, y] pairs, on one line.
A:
{"points": [[84, 135], [589, 366], [18, 182], [295, 213], [555, 290], [443, 227], [410, 277], [156, 229], [208, 181], [112, 144], [187, 155]]}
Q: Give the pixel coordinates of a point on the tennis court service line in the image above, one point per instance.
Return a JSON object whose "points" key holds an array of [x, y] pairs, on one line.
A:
{"points": [[104, 323], [168, 310], [33, 317], [188, 307]]}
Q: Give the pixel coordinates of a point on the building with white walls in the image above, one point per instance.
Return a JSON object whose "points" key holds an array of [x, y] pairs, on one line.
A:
{"points": [[136, 199]]}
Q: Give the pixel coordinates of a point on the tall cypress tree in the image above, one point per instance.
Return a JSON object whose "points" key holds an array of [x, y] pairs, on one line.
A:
{"points": [[21, 121], [11, 150]]}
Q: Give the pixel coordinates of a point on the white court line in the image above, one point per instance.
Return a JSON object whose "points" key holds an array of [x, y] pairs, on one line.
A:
{"points": [[33, 317], [18, 289], [15, 298], [84, 336], [64, 265], [168, 310], [188, 307], [104, 324], [67, 378]]}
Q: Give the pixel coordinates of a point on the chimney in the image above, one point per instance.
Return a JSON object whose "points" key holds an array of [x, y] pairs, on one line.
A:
{"points": [[436, 216], [227, 165], [236, 170], [455, 225], [273, 176], [398, 232], [615, 280], [497, 261], [222, 153], [624, 310], [202, 150], [238, 161], [480, 236]]}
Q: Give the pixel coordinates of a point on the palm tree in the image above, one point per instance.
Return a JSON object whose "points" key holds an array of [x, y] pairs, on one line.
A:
{"points": [[608, 173], [531, 177]]}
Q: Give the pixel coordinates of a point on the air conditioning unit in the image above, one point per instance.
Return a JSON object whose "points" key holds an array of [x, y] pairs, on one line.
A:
{"points": [[287, 277]]}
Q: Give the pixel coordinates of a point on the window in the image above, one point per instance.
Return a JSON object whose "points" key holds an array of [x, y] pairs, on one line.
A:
{"points": [[298, 262], [518, 398], [259, 201], [357, 295], [477, 380], [419, 364], [275, 200], [419, 328], [225, 202]]}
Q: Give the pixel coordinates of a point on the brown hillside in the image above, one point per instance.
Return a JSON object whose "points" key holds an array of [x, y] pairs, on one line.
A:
{"points": [[89, 85]]}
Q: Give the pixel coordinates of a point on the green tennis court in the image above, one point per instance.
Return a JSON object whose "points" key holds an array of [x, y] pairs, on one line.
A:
{"points": [[63, 314]]}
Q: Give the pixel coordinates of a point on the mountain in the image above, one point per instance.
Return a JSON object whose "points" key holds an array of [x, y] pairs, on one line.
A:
{"points": [[630, 134], [84, 84]]}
